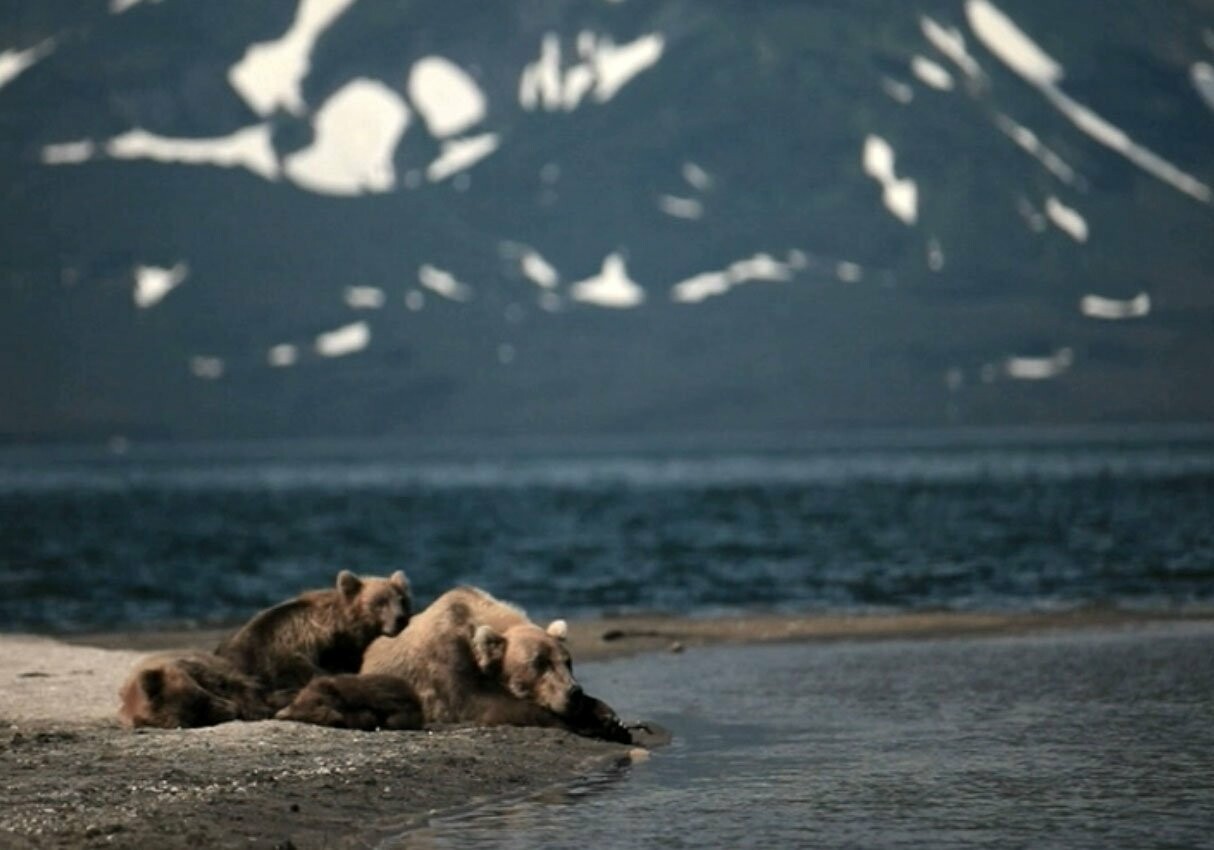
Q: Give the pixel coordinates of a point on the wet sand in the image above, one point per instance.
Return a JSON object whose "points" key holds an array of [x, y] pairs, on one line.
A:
{"points": [[71, 777]]}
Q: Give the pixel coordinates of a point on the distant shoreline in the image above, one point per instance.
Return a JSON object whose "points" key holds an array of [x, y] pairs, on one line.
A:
{"points": [[117, 446]]}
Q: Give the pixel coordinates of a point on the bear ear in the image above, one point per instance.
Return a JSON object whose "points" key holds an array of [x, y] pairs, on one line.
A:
{"points": [[489, 648], [398, 578], [348, 584], [558, 629]]}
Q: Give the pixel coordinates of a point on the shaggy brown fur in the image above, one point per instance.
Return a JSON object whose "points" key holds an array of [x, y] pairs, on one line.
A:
{"points": [[186, 690], [319, 632], [471, 658], [356, 702]]}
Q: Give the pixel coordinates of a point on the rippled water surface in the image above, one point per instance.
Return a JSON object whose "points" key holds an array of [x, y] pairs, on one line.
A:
{"points": [[213, 535], [1074, 740]]}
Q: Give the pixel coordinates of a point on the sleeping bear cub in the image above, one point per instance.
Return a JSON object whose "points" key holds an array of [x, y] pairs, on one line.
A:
{"points": [[349, 701], [187, 690]]}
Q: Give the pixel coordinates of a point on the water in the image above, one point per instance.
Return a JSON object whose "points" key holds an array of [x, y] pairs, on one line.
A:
{"points": [[1075, 740], [211, 534]]}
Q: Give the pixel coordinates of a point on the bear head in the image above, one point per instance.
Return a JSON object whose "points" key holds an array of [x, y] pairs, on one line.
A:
{"points": [[384, 603], [532, 663], [167, 697]]}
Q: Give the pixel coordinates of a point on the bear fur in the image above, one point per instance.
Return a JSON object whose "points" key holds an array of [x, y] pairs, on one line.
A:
{"points": [[471, 658], [317, 633], [187, 690], [348, 701]]}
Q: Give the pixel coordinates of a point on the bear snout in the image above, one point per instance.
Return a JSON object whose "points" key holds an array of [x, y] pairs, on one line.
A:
{"points": [[574, 699]]}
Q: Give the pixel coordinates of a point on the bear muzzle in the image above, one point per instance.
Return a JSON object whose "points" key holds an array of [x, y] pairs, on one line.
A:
{"points": [[574, 700]]}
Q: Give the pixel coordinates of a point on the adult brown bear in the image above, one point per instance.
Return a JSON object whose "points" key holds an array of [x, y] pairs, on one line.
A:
{"points": [[471, 658]]}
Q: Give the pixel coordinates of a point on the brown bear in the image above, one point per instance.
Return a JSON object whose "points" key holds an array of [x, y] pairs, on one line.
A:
{"points": [[317, 633], [186, 690], [471, 658], [348, 701]]}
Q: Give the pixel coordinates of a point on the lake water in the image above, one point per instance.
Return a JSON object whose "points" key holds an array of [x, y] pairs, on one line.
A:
{"points": [[1071, 740], [1075, 740], [210, 534]]}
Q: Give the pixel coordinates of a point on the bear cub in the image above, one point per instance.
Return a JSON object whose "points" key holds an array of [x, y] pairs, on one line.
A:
{"points": [[187, 690], [367, 702], [317, 633]]}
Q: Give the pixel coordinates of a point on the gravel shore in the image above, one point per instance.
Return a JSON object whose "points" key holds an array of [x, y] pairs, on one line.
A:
{"points": [[73, 778]]}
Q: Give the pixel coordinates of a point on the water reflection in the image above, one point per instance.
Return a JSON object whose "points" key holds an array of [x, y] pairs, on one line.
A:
{"points": [[499, 820]]}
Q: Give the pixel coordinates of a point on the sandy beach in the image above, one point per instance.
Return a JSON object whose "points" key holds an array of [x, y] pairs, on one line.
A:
{"points": [[73, 778]]}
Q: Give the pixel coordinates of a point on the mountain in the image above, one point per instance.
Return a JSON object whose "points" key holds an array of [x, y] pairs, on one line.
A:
{"points": [[581, 217]]}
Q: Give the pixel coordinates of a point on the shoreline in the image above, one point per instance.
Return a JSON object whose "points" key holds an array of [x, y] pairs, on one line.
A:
{"points": [[477, 445], [72, 777], [611, 637]]}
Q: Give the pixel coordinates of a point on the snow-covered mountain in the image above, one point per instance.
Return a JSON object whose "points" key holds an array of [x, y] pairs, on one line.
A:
{"points": [[361, 217]]}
